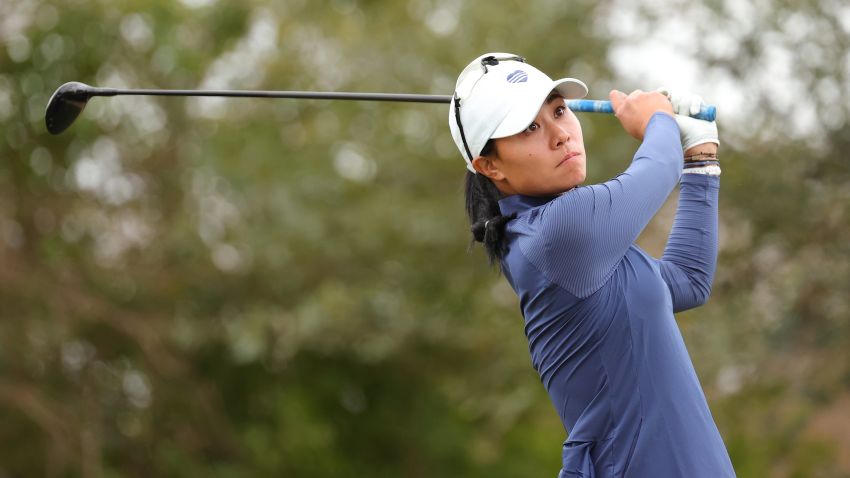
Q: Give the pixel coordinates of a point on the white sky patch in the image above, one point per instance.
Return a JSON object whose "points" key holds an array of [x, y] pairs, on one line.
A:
{"points": [[843, 15], [414, 125], [76, 354], [141, 113], [19, 49], [147, 116], [443, 19], [743, 14], [197, 3], [243, 67], [320, 54], [137, 32], [777, 65], [47, 17], [218, 216], [98, 170], [113, 234], [6, 105], [730, 379], [666, 55], [16, 17], [216, 213], [137, 388], [41, 161], [53, 47], [12, 233], [352, 164], [226, 257]]}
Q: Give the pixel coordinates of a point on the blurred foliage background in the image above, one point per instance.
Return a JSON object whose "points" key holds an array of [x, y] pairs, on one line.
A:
{"points": [[283, 288]]}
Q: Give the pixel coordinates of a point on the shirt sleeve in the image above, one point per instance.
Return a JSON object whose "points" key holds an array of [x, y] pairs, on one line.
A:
{"points": [[586, 231], [690, 257]]}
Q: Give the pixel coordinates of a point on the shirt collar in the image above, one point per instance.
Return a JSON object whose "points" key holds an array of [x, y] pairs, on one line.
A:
{"points": [[519, 203]]}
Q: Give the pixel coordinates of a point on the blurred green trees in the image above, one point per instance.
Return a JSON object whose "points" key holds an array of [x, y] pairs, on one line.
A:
{"points": [[283, 288]]}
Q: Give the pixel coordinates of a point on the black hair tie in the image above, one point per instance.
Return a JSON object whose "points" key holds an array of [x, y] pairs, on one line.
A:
{"points": [[484, 230]]}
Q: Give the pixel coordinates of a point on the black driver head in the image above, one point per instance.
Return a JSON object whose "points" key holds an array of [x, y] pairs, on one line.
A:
{"points": [[65, 105]]}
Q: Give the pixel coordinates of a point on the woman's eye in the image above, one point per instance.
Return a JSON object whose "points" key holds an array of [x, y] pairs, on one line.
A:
{"points": [[559, 111], [532, 128]]}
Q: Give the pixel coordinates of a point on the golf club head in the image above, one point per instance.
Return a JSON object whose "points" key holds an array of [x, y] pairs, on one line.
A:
{"points": [[65, 105]]}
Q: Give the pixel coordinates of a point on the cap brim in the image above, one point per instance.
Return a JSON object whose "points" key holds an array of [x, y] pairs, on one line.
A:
{"points": [[526, 108], [571, 88]]}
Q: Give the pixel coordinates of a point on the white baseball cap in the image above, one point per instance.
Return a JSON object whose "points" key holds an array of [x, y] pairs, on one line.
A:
{"points": [[499, 95]]}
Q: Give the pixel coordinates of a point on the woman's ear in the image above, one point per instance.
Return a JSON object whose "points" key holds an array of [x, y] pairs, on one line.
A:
{"points": [[487, 166]]}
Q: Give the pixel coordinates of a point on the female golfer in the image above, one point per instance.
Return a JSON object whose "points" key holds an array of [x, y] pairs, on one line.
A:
{"points": [[598, 310]]}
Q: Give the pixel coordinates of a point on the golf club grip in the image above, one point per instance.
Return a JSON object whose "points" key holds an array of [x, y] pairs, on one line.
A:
{"points": [[707, 113]]}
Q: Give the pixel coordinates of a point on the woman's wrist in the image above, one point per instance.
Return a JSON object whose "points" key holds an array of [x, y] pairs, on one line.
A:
{"points": [[702, 159]]}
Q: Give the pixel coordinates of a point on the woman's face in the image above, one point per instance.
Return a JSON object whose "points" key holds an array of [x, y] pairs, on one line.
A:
{"points": [[545, 159]]}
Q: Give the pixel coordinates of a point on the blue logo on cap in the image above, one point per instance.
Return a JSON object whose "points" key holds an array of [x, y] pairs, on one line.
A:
{"points": [[518, 76]]}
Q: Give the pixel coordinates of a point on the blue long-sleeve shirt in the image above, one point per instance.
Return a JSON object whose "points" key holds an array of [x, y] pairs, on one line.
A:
{"points": [[599, 317]]}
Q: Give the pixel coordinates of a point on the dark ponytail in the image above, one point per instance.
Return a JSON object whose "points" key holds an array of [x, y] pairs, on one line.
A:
{"points": [[485, 217]]}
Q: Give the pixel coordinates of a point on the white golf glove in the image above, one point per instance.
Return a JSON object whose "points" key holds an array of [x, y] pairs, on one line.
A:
{"points": [[693, 131]]}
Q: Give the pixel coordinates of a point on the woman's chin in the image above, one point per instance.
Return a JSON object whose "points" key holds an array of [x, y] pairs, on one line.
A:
{"points": [[575, 181]]}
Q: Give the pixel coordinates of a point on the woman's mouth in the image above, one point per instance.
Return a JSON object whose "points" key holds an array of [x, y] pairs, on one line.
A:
{"points": [[567, 158]]}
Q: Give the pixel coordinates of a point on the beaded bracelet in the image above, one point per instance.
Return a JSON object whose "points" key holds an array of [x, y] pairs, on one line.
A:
{"points": [[701, 157]]}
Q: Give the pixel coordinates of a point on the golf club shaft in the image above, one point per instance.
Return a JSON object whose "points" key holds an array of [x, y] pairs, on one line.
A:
{"points": [[314, 95], [707, 113]]}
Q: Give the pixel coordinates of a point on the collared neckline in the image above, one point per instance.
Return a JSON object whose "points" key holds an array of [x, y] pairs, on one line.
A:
{"points": [[519, 203]]}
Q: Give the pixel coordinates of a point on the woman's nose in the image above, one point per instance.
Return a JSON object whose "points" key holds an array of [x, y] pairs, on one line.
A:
{"points": [[559, 136]]}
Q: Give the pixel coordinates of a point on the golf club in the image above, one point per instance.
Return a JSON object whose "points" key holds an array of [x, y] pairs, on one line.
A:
{"points": [[69, 100]]}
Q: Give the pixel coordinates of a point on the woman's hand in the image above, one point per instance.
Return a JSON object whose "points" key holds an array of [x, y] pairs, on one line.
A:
{"points": [[635, 110], [698, 136]]}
